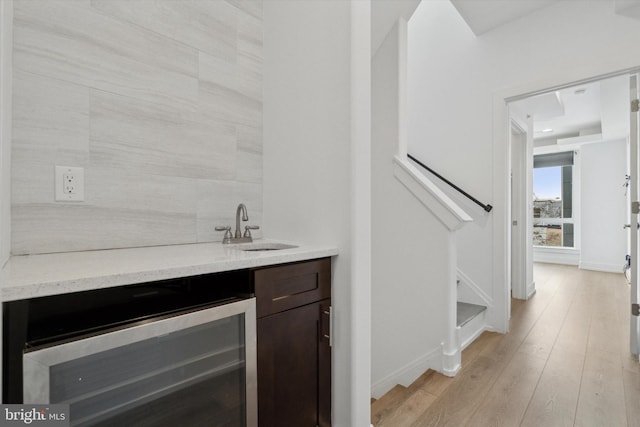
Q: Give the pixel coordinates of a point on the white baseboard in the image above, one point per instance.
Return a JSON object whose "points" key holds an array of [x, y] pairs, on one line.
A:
{"points": [[554, 255], [408, 373], [607, 268]]}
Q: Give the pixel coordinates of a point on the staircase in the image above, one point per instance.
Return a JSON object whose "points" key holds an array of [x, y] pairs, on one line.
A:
{"points": [[470, 321], [467, 312], [401, 406], [406, 406]]}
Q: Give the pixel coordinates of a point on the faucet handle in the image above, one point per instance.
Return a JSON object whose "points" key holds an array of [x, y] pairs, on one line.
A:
{"points": [[248, 228], [227, 234]]}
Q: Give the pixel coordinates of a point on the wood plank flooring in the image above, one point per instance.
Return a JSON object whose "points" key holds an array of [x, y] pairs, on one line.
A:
{"points": [[565, 362]]}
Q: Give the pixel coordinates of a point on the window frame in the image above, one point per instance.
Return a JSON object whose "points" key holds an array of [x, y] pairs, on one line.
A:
{"points": [[575, 201]]}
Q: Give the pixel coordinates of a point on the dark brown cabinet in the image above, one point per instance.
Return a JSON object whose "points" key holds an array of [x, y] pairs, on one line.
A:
{"points": [[293, 331]]}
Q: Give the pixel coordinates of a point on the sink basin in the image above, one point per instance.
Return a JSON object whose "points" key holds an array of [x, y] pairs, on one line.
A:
{"points": [[265, 246]]}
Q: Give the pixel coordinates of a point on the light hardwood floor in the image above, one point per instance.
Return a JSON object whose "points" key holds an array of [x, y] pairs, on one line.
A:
{"points": [[565, 362]]}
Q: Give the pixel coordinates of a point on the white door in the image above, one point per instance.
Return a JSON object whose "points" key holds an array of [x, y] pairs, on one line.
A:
{"points": [[521, 220], [518, 142], [635, 210]]}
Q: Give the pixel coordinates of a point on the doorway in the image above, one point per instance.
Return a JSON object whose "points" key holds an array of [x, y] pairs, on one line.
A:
{"points": [[573, 184]]}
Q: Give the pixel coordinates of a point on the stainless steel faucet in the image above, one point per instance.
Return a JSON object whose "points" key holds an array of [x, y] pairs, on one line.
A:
{"points": [[238, 237], [241, 208]]}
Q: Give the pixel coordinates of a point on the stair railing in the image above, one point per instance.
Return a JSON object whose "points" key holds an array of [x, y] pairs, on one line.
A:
{"points": [[486, 207]]}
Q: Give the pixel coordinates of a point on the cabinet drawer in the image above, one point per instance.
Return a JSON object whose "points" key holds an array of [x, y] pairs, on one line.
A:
{"points": [[288, 286]]}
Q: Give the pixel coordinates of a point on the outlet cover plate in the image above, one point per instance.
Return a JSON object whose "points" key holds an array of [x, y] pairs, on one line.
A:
{"points": [[69, 184]]}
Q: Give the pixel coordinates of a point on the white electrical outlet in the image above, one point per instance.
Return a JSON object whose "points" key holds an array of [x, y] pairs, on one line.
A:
{"points": [[69, 183]]}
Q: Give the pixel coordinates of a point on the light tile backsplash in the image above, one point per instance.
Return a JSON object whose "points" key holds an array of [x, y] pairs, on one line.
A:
{"points": [[159, 101]]}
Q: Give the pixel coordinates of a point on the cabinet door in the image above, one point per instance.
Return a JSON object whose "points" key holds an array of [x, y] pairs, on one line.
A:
{"points": [[289, 286], [291, 346]]}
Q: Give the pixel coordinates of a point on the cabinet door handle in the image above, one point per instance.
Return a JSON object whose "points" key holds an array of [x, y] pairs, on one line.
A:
{"points": [[329, 336]]}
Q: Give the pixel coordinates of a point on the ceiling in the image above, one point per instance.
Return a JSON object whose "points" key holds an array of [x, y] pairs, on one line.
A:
{"points": [[597, 108], [384, 15], [485, 15], [584, 113], [480, 15], [589, 112]]}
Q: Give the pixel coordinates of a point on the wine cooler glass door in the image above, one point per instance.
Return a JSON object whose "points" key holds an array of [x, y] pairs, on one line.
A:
{"points": [[195, 369]]}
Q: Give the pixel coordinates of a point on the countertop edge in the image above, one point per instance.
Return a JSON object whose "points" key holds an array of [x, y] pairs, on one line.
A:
{"points": [[14, 287]]}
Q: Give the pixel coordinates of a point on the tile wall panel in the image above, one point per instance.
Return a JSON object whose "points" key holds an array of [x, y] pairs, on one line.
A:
{"points": [[67, 40], [77, 227], [209, 26], [160, 101], [50, 126], [214, 212], [156, 139]]}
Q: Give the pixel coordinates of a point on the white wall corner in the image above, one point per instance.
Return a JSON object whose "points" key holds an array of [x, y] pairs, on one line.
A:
{"points": [[607, 268], [531, 289], [403, 118], [384, 15], [6, 49], [629, 8], [452, 216], [501, 232], [360, 213]]}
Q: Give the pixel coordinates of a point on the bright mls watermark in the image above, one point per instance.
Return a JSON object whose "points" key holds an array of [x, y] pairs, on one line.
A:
{"points": [[34, 415]]}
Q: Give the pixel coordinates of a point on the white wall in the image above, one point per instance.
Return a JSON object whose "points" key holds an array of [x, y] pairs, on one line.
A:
{"points": [[160, 102], [6, 42], [312, 130], [409, 287], [360, 322], [603, 208], [458, 117]]}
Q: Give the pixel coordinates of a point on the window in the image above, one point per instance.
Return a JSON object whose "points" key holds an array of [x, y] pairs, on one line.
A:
{"points": [[553, 200]]}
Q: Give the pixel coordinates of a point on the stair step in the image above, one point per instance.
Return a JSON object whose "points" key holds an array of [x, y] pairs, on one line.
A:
{"points": [[467, 311], [430, 386], [416, 399]]}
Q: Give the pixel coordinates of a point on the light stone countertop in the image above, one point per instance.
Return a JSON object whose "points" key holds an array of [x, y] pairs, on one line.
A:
{"points": [[30, 276]]}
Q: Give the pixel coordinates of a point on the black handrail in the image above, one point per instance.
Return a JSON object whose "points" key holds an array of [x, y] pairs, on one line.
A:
{"points": [[487, 207]]}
